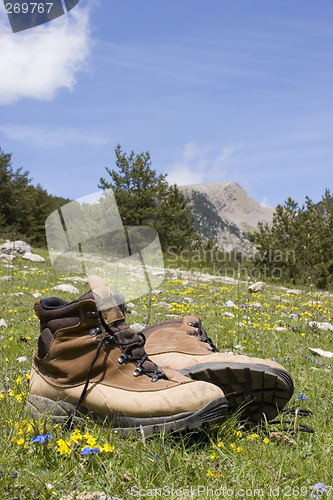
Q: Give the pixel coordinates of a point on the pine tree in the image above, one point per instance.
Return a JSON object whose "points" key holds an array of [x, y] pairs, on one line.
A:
{"points": [[23, 207], [145, 199], [303, 237]]}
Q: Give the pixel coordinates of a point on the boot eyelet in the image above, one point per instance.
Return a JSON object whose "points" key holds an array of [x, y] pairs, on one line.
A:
{"points": [[190, 333], [91, 314], [122, 358], [138, 371], [110, 340], [95, 331], [193, 323], [154, 378]]}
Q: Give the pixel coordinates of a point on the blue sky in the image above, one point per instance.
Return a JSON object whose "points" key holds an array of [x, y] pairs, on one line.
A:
{"points": [[215, 90]]}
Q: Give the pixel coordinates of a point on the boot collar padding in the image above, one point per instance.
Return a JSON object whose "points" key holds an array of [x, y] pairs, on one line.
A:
{"points": [[104, 300]]}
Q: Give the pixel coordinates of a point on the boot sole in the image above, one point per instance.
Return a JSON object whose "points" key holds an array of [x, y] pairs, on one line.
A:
{"points": [[214, 412], [253, 389]]}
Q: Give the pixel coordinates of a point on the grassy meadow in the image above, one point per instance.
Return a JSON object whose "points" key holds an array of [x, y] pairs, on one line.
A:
{"points": [[228, 460]]}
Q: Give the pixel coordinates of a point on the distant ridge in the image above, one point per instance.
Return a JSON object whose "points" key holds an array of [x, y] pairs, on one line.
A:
{"points": [[225, 212]]}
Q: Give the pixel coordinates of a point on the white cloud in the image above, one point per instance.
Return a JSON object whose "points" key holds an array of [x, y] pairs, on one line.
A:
{"points": [[51, 136], [38, 62], [201, 164], [264, 202]]}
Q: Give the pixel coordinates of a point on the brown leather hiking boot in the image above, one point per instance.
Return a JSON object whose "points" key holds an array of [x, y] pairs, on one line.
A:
{"points": [[89, 361], [253, 385]]}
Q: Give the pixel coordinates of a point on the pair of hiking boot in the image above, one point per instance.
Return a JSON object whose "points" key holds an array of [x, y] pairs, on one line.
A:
{"points": [[169, 376]]}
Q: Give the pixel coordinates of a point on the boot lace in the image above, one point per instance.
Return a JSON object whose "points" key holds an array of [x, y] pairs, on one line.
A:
{"points": [[132, 350], [202, 334]]}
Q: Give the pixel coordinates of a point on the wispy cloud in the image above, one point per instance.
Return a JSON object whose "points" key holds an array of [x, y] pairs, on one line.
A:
{"points": [[37, 63], [53, 136], [198, 164], [264, 202]]}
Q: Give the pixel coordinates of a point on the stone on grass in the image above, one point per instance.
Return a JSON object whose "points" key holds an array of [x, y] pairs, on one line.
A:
{"points": [[321, 326], [228, 315], [230, 303], [37, 295], [5, 278], [280, 329], [7, 258], [256, 287], [22, 359], [320, 352], [15, 247], [156, 292], [3, 323], [163, 304], [66, 288], [137, 327], [76, 278], [255, 304], [33, 257], [294, 291]]}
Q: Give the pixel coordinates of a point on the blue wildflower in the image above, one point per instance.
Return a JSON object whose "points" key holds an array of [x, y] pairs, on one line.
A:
{"points": [[301, 397], [87, 450], [318, 490], [41, 438]]}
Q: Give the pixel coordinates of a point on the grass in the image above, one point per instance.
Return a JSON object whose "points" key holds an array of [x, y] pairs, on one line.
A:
{"points": [[245, 462]]}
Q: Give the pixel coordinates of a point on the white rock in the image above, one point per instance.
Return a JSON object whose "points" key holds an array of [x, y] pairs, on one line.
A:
{"points": [[156, 292], [67, 288], [76, 278], [22, 359], [137, 327], [280, 329], [163, 304], [36, 295], [188, 299], [3, 323], [6, 257], [276, 297], [294, 291], [321, 326], [256, 287], [325, 354], [5, 278], [240, 324], [15, 247], [33, 257], [314, 302], [230, 303], [255, 304], [17, 294], [293, 316], [134, 312], [228, 315]]}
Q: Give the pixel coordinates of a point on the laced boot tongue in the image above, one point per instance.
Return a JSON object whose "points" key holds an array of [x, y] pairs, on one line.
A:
{"points": [[114, 321]]}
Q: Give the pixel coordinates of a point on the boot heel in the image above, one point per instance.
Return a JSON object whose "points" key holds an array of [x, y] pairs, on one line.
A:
{"points": [[59, 411]]}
